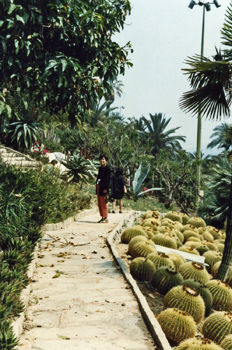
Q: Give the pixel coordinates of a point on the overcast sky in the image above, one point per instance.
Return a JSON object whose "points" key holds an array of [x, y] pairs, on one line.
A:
{"points": [[163, 34]]}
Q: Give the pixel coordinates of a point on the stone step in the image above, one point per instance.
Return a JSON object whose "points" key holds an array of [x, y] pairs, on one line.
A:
{"points": [[25, 163], [11, 157]]}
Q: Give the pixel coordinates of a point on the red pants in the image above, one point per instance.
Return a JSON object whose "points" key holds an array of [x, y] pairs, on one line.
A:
{"points": [[102, 205]]}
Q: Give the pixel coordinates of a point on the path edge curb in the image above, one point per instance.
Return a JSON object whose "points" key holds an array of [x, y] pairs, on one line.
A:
{"points": [[149, 318]]}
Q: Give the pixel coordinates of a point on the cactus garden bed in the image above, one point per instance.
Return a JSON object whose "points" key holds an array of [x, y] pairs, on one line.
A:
{"points": [[193, 308]]}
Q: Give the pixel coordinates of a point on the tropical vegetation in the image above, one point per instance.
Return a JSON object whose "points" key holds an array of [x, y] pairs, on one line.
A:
{"points": [[210, 81], [58, 79]]}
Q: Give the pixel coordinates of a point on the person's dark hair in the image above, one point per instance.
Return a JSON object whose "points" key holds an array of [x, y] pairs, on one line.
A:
{"points": [[119, 171], [103, 156]]}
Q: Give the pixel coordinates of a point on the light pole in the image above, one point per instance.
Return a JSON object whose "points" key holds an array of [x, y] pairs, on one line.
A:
{"points": [[206, 7]]}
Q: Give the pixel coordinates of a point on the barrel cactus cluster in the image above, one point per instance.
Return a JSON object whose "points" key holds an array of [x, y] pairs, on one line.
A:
{"points": [[197, 308]]}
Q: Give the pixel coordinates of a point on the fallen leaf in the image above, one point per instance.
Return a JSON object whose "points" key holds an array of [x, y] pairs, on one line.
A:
{"points": [[63, 337], [56, 275]]}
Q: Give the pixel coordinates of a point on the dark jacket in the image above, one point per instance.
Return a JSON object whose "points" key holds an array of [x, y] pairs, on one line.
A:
{"points": [[103, 178], [117, 186]]}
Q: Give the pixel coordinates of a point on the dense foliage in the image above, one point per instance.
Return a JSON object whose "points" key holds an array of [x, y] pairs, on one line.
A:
{"points": [[62, 53]]}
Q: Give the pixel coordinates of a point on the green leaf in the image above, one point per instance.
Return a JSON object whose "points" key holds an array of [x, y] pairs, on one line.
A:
{"points": [[64, 64], [20, 19]]}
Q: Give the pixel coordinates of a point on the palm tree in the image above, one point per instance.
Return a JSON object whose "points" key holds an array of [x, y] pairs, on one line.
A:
{"points": [[222, 137], [158, 137], [211, 95], [98, 112]]}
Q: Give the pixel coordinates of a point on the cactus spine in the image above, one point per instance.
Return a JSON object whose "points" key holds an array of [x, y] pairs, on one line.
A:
{"points": [[165, 278], [204, 292], [227, 342], [186, 299], [198, 344], [131, 232], [142, 269], [177, 325], [217, 326], [195, 271], [222, 294]]}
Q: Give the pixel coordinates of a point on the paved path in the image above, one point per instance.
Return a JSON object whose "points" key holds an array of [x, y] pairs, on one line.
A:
{"points": [[79, 298]]}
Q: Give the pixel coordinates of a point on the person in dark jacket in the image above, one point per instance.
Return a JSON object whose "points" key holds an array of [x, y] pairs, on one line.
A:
{"points": [[118, 188], [102, 187]]}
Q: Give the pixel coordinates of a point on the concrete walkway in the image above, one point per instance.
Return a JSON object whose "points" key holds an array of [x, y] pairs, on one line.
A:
{"points": [[79, 297]]}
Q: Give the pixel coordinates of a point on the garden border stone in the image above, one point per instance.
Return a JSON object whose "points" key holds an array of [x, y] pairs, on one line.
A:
{"points": [[149, 318]]}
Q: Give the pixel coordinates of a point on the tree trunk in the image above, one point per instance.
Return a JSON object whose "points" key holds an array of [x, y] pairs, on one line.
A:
{"points": [[227, 254]]}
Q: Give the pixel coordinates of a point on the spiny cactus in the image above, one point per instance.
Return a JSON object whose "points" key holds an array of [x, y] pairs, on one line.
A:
{"points": [[137, 239], [160, 259], [207, 236], [227, 342], [165, 278], [197, 222], [222, 294], [185, 218], [142, 269], [195, 271], [189, 227], [204, 292], [165, 240], [201, 230], [164, 229], [217, 326], [131, 232], [211, 257], [151, 222], [193, 244], [169, 223], [186, 299], [221, 247], [202, 249], [174, 216], [177, 259], [210, 245], [177, 325], [152, 214], [149, 231], [189, 233], [179, 235], [215, 232], [198, 344], [187, 249], [142, 249]]}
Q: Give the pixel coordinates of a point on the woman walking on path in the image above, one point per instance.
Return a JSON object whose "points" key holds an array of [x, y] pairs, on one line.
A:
{"points": [[118, 188], [102, 187]]}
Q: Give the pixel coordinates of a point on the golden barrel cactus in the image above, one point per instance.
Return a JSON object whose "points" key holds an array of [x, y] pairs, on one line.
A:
{"points": [[165, 278], [142, 269], [217, 326], [186, 299], [161, 259], [198, 344], [177, 325], [222, 294], [195, 271], [131, 232]]}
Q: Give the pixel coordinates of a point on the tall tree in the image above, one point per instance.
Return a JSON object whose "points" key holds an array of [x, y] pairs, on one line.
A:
{"points": [[211, 95], [158, 137], [62, 53]]}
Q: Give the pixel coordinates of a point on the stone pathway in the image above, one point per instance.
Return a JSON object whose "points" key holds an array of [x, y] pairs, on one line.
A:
{"points": [[79, 297]]}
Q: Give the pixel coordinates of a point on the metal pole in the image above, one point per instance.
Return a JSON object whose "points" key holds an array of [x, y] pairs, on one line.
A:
{"points": [[198, 155]]}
